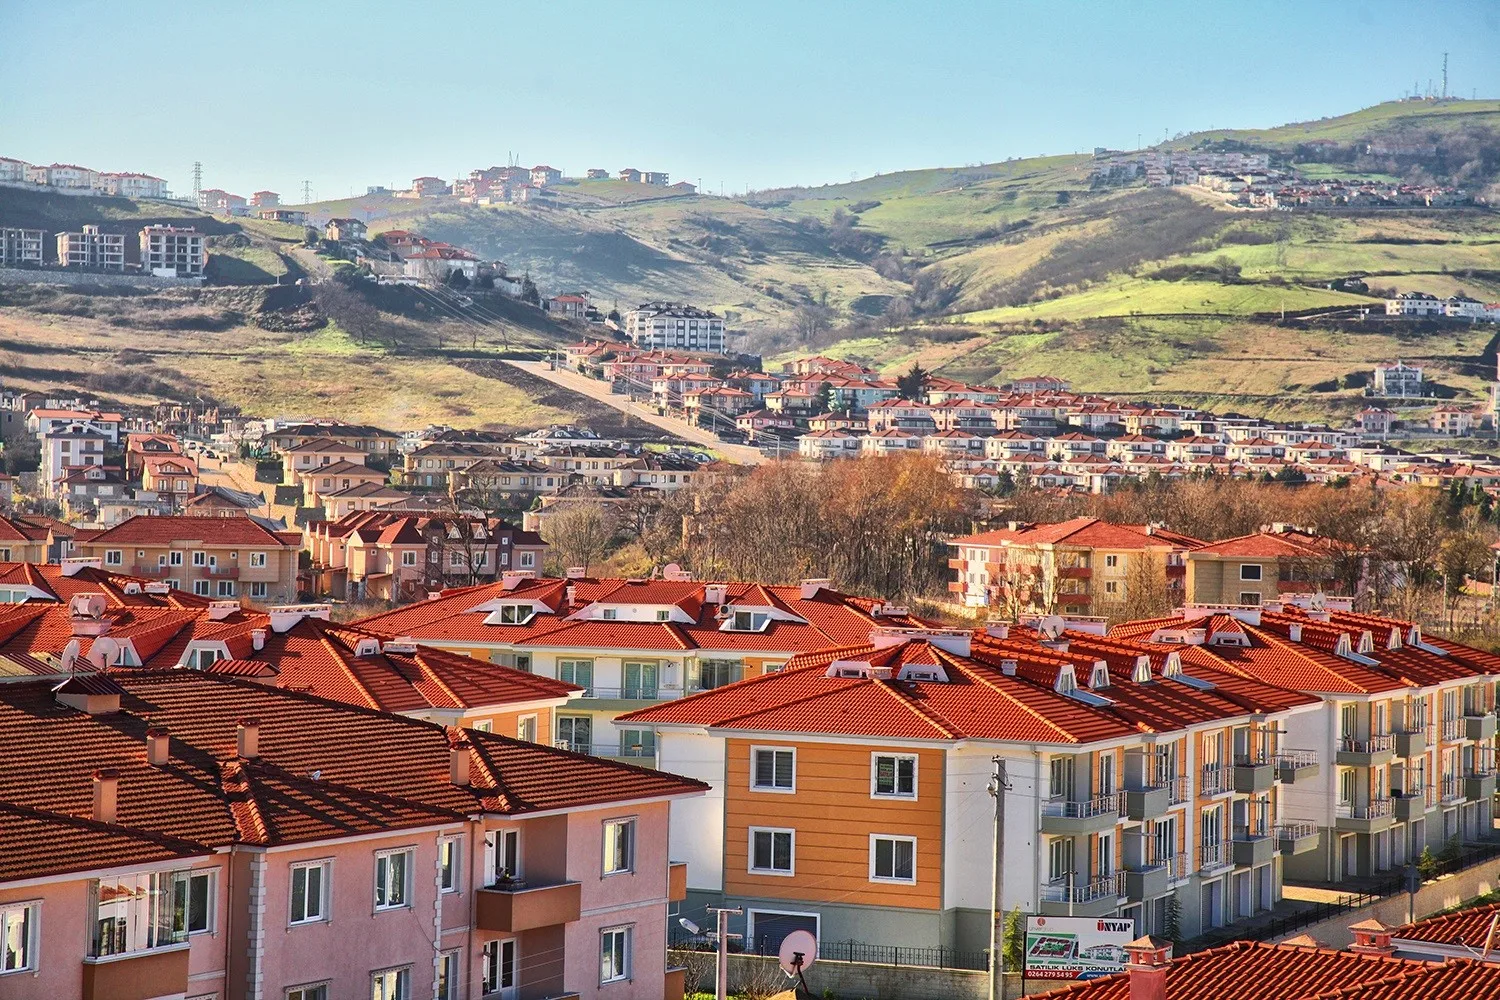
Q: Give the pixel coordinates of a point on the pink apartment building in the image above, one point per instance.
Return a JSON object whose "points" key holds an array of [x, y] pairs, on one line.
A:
{"points": [[185, 834]]}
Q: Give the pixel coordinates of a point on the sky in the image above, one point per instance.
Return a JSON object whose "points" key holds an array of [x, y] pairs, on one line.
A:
{"points": [[731, 95]]}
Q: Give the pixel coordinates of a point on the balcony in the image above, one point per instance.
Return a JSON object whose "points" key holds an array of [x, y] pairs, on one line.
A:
{"points": [[642, 756], [1480, 726], [224, 572], [1451, 730], [1293, 766], [1253, 774], [1098, 897], [1252, 848], [1370, 817], [1213, 780], [1411, 742], [153, 570], [1479, 786], [1412, 804], [1147, 803], [1147, 880], [1297, 837], [676, 881], [1178, 790], [519, 907], [635, 694], [1379, 749], [1179, 867], [137, 975], [1075, 573], [1213, 858], [1450, 790], [1065, 816]]}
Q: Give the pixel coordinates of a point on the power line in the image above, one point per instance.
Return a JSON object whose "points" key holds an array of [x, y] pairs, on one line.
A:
{"points": [[307, 192], [197, 178]]}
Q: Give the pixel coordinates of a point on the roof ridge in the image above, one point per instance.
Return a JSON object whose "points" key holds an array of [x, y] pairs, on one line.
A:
{"points": [[244, 809], [338, 655], [981, 676], [433, 677]]}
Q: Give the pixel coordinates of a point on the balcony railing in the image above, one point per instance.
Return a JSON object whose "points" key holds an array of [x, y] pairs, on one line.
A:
{"points": [[1378, 743], [1374, 809], [633, 692], [1100, 805], [615, 750], [1450, 789], [1177, 789], [1295, 829], [1179, 866], [1213, 780], [1451, 730], [1212, 857], [1288, 760], [1084, 890]]}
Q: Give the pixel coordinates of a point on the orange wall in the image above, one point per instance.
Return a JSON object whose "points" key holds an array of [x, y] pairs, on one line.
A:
{"points": [[505, 723], [834, 815]]}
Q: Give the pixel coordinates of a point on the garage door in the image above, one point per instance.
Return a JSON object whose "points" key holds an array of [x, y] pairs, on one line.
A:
{"points": [[768, 928]]}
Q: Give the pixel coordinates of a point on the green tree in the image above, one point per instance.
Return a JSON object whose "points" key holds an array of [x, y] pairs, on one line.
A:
{"points": [[1427, 864], [1013, 942], [912, 384], [529, 294]]}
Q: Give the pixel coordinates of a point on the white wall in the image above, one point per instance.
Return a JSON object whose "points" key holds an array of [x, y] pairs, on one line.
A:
{"points": [[1312, 800], [968, 830], [697, 835]]}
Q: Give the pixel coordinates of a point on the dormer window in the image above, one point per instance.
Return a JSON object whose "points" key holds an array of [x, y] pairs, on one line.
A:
{"points": [[610, 614], [516, 614], [1066, 683], [747, 621], [1099, 677], [1142, 672], [663, 614]]}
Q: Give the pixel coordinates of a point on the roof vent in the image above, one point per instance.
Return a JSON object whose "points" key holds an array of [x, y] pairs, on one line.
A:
{"points": [[715, 593], [997, 629], [367, 646], [159, 588], [1371, 937], [257, 639], [458, 763], [106, 794], [284, 616], [1294, 632], [131, 588], [70, 567], [405, 645], [1148, 960], [220, 610], [572, 573], [1008, 667], [158, 745], [247, 738]]}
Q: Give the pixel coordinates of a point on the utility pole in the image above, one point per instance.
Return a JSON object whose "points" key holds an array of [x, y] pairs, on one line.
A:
{"points": [[999, 783], [307, 192], [721, 985]]}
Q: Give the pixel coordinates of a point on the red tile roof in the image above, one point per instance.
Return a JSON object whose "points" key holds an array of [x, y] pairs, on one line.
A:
{"points": [[1468, 928], [1087, 531], [165, 530]]}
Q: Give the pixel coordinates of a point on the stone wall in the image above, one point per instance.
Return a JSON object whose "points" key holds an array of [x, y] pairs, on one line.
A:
{"points": [[1440, 894], [64, 276]]}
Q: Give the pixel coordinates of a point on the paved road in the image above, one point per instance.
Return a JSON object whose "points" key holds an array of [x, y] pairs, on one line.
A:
{"points": [[597, 390]]}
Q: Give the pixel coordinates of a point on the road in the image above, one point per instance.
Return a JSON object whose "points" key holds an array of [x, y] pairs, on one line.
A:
{"points": [[594, 389]]}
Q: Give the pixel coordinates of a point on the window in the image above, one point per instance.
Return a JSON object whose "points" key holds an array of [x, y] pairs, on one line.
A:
{"points": [[526, 728], [316, 991], [485, 725], [1250, 571], [391, 984], [1111, 587], [174, 558], [449, 974], [706, 675], [259, 589], [200, 558], [481, 560], [194, 900], [610, 614], [619, 846], [408, 558], [200, 587], [455, 558], [1250, 597], [226, 588], [771, 851], [773, 770], [17, 937], [893, 775], [309, 892], [580, 672], [516, 614], [450, 854], [392, 878], [499, 967], [640, 679], [114, 557], [1110, 562], [502, 855], [257, 560], [527, 560], [132, 913], [637, 743], [614, 955], [893, 859]]}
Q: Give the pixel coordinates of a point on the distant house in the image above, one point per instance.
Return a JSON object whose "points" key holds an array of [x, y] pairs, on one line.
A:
{"points": [[172, 250], [291, 216], [1399, 380], [683, 187], [345, 229], [133, 185], [20, 246], [655, 178], [436, 262], [1374, 420], [1414, 304], [429, 187], [543, 175], [1452, 421], [571, 306], [265, 199], [630, 175], [91, 248], [598, 174]]}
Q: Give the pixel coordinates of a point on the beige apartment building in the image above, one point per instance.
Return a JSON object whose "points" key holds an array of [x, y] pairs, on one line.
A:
{"points": [[91, 248], [1259, 568], [169, 248], [218, 557]]}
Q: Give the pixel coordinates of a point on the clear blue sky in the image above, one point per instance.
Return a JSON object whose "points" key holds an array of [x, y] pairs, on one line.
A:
{"points": [[768, 93]]}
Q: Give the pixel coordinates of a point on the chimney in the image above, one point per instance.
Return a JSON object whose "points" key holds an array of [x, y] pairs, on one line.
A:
{"points": [[106, 794], [1371, 937], [247, 738], [158, 746], [458, 763], [1147, 965], [257, 639]]}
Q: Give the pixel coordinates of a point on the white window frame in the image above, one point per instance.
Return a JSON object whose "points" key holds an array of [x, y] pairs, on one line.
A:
{"points": [[521, 722], [203, 584], [790, 872], [398, 972], [408, 558], [1259, 573], [259, 588], [33, 941], [453, 869], [772, 788], [186, 877], [628, 822], [257, 560], [875, 792], [894, 838], [114, 557], [200, 558], [450, 961], [325, 865], [626, 933], [303, 992], [491, 967], [406, 890]]}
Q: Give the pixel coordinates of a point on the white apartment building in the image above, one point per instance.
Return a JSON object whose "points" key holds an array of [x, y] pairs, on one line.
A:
{"points": [[91, 248], [670, 325], [128, 185], [13, 171], [170, 251], [20, 246], [1399, 380], [1414, 304]]}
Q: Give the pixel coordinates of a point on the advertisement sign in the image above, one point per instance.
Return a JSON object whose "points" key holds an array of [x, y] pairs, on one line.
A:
{"points": [[1076, 947]]}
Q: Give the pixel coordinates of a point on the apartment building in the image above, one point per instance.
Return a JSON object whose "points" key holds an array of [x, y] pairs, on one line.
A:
{"points": [[22, 540], [1260, 567], [1398, 379], [849, 790], [171, 477], [1405, 735], [180, 833], [131, 185], [1072, 564], [91, 248], [20, 247], [173, 251], [400, 556], [68, 447], [631, 643], [364, 438], [221, 557], [141, 446], [671, 326]]}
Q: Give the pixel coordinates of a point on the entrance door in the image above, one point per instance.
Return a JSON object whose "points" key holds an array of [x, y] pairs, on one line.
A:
{"points": [[1351, 856], [1213, 896], [1267, 888]]}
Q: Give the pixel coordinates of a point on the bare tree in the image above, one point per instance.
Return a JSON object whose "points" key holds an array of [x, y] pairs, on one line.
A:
{"points": [[579, 534]]}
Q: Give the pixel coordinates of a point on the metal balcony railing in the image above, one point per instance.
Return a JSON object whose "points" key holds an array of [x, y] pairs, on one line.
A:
{"points": [[1256, 758], [1076, 889], [1450, 789], [633, 692], [1179, 866], [1377, 743], [1177, 789], [1295, 829], [1099, 805], [1212, 780], [1374, 809], [632, 752], [1451, 730], [1213, 856], [1291, 759]]}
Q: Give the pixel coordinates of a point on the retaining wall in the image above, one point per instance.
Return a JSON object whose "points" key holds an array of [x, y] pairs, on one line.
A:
{"points": [[64, 276], [1440, 894]]}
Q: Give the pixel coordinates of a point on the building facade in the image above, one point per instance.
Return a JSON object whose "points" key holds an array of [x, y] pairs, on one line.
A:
{"points": [[92, 249], [173, 251]]}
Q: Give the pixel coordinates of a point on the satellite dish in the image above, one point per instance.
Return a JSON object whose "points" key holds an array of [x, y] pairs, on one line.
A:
{"points": [[1051, 626], [799, 950]]}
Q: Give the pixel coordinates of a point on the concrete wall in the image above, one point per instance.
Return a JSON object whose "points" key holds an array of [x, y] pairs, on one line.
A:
{"points": [[68, 276], [1446, 892], [848, 980]]}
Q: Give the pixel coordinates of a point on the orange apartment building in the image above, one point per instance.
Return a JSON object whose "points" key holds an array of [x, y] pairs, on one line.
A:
{"points": [[220, 557]]}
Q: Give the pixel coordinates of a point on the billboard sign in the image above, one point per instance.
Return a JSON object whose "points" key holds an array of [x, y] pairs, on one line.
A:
{"points": [[1076, 947]]}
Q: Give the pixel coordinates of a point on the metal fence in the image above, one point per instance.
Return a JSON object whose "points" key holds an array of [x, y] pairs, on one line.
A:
{"points": [[852, 951]]}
